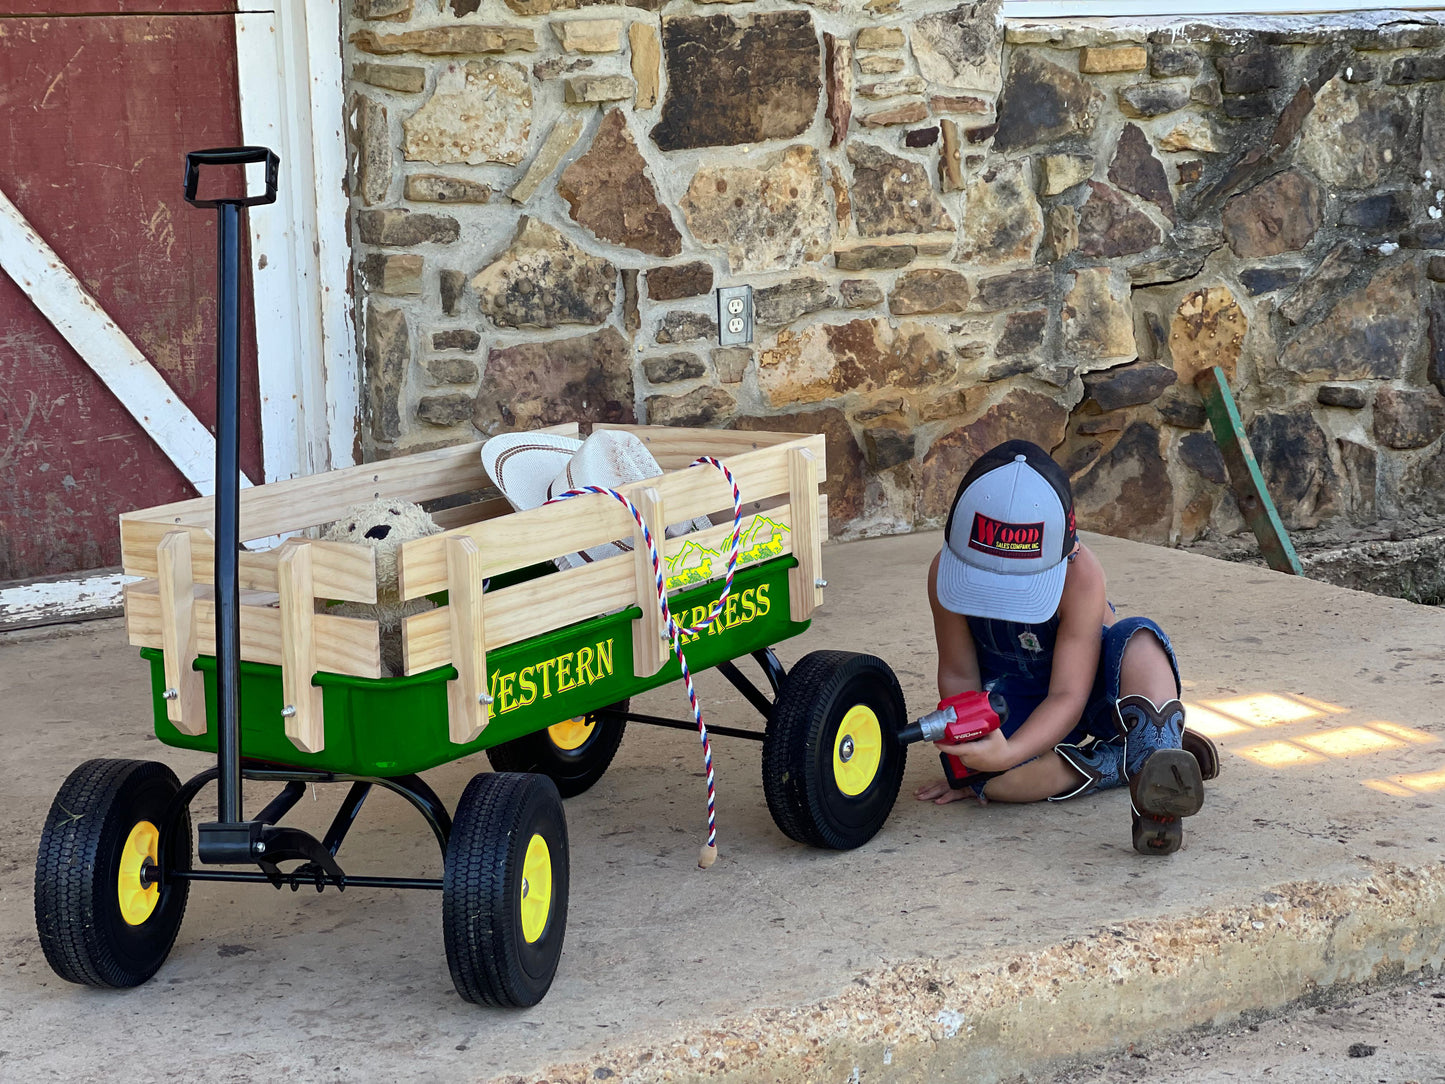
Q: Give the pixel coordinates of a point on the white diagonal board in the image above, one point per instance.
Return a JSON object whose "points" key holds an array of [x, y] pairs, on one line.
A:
{"points": [[106, 349]]}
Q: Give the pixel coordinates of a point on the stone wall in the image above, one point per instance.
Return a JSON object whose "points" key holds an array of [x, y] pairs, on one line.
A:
{"points": [[956, 234]]}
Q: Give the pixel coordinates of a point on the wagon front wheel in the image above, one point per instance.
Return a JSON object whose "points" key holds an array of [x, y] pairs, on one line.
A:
{"points": [[504, 889], [832, 764], [574, 753], [103, 917]]}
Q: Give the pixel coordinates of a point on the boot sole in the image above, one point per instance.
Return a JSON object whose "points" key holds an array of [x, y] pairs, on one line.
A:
{"points": [[1169, 784]]}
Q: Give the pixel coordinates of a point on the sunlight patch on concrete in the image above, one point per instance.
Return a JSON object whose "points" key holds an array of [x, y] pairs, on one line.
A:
{"points": [[1265, 709], [1348, 741]]}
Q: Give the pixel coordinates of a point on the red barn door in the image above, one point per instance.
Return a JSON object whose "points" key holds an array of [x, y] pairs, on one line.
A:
{"points": [[97, 110]]}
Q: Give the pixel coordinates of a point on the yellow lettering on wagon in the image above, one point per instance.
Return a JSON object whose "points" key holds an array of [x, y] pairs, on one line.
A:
{"points": [[515, 689]]}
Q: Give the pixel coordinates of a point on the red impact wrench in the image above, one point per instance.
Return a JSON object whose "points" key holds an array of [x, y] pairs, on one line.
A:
{"points": [[961, 718]]}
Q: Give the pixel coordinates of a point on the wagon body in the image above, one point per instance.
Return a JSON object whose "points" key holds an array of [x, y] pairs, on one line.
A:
{"points": [[398, 726], [534, 664], [497, 659]]}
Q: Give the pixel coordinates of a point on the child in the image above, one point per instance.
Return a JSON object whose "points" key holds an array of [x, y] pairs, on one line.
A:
{"points": [[1019, 608]]}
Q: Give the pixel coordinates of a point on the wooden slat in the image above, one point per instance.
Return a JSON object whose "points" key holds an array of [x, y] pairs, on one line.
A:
{"points": [[305, 724], [466, 709], [297, 503], [804, 593], [648, 630], [524, 538], [476, 512], [343, 571], [185, 688], [344, 645], [564, 598], [675, 447]]}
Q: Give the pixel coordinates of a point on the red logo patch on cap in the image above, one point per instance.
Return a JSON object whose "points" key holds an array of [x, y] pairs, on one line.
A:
{"points": [[1021, 541]]}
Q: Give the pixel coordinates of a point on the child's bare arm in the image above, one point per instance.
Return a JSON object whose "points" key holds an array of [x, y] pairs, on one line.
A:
{"points": [[957, 659], [1076, 659]]}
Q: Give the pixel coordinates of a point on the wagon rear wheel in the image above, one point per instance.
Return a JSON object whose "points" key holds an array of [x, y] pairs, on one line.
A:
{"points": [[101, 918], [504, 889], [574, 753], [832, 764]]}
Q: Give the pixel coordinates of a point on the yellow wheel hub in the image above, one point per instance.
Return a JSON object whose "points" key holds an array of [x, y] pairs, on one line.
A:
{"points": [[536, 889], [573, 733], [857, 750], [138, 900]]}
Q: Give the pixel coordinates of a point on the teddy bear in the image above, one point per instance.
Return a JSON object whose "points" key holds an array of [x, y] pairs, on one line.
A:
{"points": [[384, 524]]}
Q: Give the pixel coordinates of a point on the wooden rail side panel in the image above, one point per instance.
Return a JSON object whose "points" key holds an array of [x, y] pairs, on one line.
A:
{"points": [[777, 473], [344, 645], [524, 538], [297, 503], [344, 572], [564, 598]]}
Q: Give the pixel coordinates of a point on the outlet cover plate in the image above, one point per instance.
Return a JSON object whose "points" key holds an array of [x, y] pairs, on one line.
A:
{"points": [[735, 315]]}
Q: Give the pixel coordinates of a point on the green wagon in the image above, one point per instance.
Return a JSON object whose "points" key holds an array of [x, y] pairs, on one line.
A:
{"points": [[532, 665]]}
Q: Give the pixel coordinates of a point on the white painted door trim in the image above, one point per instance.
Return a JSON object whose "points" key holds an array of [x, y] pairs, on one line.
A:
{"points": [[289, 67]]}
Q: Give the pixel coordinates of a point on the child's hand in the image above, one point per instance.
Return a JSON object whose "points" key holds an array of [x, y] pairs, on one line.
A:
{"points": [[989, 753], [940, 793]]}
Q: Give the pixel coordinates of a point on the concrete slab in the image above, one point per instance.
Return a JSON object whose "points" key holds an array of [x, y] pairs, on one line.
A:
{"points": [[963, 943]]}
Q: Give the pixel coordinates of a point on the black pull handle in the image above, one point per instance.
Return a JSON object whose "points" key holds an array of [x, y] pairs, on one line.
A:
{"points": [[232, 156]]}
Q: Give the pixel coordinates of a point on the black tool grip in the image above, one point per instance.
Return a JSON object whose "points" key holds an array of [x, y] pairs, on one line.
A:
{"points": [[232, 156]]}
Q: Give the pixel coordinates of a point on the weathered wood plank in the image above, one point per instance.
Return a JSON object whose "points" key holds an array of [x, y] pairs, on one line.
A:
{"points": [[1245, 477]]}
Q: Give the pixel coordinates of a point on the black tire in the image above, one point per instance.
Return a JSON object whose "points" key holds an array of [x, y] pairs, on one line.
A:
{"points": [[573, 770], [491, 959], [83, 892], [802, 784]]}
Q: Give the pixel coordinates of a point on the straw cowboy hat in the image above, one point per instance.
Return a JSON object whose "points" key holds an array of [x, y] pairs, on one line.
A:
{"points": [[533, 468]]}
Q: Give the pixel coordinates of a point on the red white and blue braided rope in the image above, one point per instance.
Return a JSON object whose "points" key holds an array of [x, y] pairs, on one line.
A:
{"points": [[676, 632]]}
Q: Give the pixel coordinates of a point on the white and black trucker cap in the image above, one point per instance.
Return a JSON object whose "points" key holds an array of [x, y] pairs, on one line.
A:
{"points": [[1008, 537]]}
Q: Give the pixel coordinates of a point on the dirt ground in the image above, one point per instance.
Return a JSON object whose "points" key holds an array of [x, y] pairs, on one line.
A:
{"points": [[964, 943], [1394, 1036]]}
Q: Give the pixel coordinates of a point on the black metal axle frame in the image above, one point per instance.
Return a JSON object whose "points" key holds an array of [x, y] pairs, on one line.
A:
{"points": [[320, 869]]}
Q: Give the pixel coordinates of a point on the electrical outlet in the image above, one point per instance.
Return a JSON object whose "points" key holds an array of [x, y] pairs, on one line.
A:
{"points": [[735, 315]]}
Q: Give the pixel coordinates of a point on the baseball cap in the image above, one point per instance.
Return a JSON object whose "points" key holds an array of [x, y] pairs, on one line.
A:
{"points": [[1008, 536]]}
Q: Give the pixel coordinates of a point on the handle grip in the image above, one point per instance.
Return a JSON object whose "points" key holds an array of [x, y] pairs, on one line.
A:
{"points": [[231, 156]]}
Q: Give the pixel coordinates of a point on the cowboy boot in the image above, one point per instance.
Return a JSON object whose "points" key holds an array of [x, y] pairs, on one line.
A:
{"points": [[1100, 765], [1204, 751], [1165, 780]]}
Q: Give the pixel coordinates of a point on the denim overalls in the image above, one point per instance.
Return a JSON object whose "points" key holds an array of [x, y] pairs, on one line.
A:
{"points": [[1016, 661]]}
